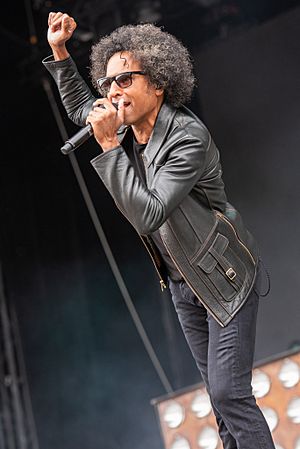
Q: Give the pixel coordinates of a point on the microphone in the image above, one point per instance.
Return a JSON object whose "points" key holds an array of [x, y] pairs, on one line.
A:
{"points": [[80, 137]]}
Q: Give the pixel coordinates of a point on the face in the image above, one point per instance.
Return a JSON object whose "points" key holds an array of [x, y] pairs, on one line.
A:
{"points": [[142, 100]]}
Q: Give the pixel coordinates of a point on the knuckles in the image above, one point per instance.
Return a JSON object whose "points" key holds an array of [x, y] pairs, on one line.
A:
{"points": [[101, 115]]}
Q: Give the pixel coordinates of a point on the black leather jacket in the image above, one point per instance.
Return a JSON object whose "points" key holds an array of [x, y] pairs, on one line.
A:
{"points": [[184, 198]]}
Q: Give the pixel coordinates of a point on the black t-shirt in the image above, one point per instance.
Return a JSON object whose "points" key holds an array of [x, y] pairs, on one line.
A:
{"points": [[174, 274]]}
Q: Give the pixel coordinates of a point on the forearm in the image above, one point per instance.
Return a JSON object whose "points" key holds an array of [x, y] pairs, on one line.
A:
{"points": [[147, 207], [75, 94], [142, 209], [60, 53]]}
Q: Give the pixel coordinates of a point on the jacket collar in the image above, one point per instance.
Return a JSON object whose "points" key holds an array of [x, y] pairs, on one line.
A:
{"points": [[161, 128]]}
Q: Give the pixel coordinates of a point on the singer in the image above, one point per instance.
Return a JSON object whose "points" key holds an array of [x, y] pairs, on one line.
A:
{"points": [[162, 168]]}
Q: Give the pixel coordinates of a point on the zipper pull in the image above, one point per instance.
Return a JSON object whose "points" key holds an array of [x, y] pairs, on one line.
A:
{"points": [[162, 285]]}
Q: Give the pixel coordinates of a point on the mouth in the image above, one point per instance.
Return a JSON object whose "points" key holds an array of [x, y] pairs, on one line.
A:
{"points": [[126, 104]]}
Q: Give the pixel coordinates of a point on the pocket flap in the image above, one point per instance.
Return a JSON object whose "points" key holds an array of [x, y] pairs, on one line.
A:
{"points": [[208, 261]]}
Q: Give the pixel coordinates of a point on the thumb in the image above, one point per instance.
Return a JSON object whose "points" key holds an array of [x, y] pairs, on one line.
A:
{"points": [[121, 111]]}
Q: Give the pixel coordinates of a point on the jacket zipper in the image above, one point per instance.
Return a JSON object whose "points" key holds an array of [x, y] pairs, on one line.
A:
{"points": [[222, 217], [161, 281]]}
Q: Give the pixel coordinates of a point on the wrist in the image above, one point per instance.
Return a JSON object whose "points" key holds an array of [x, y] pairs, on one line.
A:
{"points": [[60, 52], [109, 144]]}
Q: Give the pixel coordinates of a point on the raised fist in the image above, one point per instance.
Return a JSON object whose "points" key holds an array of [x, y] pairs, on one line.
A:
{"points": [[60, 28]]}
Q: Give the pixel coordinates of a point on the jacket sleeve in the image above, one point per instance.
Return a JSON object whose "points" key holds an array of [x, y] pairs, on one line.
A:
{"points": [[76, 96], [147, 207]]}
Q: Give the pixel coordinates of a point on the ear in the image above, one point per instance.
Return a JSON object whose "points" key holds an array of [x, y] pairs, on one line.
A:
{"points": [[159, 91]]}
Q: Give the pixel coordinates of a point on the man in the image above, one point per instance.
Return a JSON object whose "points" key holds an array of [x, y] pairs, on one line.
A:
{"points": [[162, 168]]}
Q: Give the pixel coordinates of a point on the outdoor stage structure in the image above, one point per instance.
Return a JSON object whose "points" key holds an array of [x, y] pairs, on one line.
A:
{"points": [[187, 421]]}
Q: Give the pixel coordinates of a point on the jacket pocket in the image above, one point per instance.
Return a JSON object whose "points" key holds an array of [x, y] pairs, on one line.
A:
{"points": [[223, 270]]}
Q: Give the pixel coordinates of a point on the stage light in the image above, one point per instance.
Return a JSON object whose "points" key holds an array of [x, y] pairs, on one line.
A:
{"points": [[208, 438], [187, 421], [293, 410], [289, 374], [173, 415], [180, 443], [261, 384], [201, 405], [271, 417]]}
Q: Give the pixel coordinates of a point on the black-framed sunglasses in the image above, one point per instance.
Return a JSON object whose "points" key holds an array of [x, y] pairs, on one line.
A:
{"points": [[122, 79]]}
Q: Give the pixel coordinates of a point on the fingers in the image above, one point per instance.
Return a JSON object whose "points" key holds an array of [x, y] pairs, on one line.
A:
{"points": [[96, 113], [98, 102], [54, 17], [59, 20], [50, 18], [98, 118], [109, 105], [104, 103], [106, 114], [105, 122], [68, 23], [103, 112]]}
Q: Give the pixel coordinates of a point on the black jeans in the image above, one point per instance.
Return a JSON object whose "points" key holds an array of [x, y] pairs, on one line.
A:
{"points": [[224, 357]]}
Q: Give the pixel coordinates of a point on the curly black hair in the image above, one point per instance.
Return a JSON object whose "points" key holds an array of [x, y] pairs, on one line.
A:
{"points": [[163, 57]]}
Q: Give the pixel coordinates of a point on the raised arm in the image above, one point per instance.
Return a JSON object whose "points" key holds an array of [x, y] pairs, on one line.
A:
{"points": [[74, 92], [60, 29]]}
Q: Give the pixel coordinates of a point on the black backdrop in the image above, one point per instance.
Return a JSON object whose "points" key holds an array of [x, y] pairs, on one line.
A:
{"points": [[250, 95], [90, 379]]}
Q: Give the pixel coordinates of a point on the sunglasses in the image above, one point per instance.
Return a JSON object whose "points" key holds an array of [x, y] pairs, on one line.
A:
{"points": [[123, 80]]}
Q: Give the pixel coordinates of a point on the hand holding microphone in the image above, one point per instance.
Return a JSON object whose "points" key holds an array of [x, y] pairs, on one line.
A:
{"points": [[103, 122], [106, 120]]}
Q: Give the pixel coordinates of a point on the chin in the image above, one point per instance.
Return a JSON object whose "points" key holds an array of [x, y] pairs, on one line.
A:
{"points": [[127, 120]]}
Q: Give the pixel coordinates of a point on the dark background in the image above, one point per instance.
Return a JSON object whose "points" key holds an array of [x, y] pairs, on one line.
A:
{"points": [[90, 378]]}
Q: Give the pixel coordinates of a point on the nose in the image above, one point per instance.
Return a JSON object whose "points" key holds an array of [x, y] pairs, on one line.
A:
{"points": [[114, 90]]}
